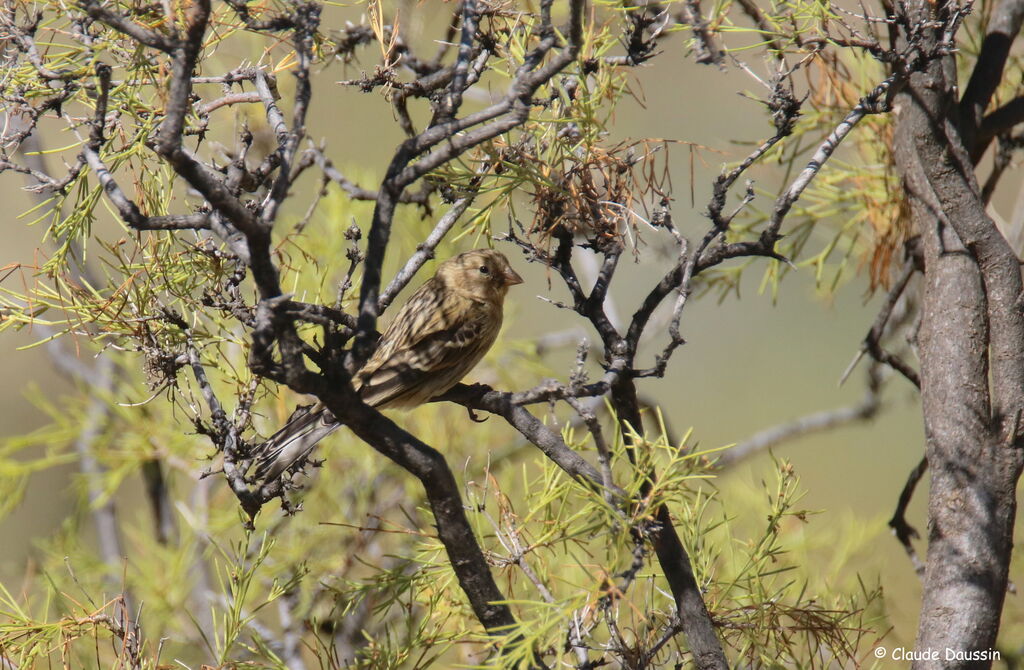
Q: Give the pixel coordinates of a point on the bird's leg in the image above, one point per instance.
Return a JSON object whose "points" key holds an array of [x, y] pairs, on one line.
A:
{"points": [[479, 389]]}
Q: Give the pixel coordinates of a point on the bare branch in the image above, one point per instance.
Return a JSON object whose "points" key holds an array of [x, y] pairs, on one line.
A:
{"points": [[424, 251], [357, 192], [903, 531], [273, 24], [1003, 28], [996, 123], [872, 343], [875, 102], [141, 34], [228, 442], [603, 453], [707, 52], [23, 38], [818, 422], [640, 319], [482, 397], [453, 100], [198, 221], [228, 100]]}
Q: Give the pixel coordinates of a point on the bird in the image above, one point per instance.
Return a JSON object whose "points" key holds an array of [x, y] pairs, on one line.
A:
{"points": [[436, 339]]}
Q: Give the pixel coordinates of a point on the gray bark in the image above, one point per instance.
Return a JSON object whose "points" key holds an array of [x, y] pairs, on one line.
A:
{"points": [[972, 374]]}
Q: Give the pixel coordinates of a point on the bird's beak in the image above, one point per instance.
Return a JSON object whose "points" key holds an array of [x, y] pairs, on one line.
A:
{"points": [[512, 277]]}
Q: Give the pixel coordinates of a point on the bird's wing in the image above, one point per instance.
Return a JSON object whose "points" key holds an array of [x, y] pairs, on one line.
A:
{"points": [[426, 312], [435, 333]]}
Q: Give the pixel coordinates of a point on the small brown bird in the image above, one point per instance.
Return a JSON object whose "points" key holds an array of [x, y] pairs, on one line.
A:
{"points": [[438, 336]]}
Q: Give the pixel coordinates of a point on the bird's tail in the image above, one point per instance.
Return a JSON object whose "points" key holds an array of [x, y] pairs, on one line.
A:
{"points": [[294, 442]]}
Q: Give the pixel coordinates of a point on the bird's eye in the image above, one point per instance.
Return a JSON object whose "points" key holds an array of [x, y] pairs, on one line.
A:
{"points": [[484, 270]]}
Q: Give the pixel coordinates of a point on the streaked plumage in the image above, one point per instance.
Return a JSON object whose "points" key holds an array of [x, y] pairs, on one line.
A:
{"points": [[438, 336]]}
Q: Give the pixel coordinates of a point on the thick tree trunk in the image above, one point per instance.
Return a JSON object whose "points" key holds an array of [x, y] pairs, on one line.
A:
{"points": [[971, 319]]}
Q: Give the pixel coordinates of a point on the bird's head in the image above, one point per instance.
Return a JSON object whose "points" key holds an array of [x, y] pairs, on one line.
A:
{"points": [[484, 274]]}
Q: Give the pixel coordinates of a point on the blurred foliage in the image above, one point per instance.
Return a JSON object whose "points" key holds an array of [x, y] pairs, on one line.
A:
{"points": [[358, 578], [363, 571]]}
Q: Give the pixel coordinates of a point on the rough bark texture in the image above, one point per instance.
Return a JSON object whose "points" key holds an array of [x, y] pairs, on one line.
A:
{"points": [[971, 374]]}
